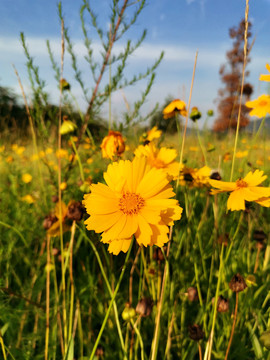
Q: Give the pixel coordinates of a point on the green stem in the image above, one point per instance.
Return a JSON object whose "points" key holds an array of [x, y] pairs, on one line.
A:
{"points": [[139, 337], [200, 143], [112, 294], [78, 158], [16, 231]]}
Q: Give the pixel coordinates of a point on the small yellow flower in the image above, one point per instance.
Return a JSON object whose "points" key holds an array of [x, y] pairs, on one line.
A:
{"points": [[20, 150], [86, 146], [67, 127], [259, 162], [112, 145], [193, 148], [9, 159], [242, 190], [265, 77], [26, 178], [28, 199], [135, 202], [62, 153], [241, 154], [48, 151], [153, 133], [63, 186], [176, 106], [261, 106], [2, 148], [89, 161]]}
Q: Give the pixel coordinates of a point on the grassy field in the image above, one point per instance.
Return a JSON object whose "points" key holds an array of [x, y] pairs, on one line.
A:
{"points": [[63, 295]]}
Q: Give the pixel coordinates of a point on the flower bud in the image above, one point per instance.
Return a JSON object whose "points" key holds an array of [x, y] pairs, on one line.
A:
{"points": [[195, 332], [75, 210], [192, 294], [265, 339], [195, 114], [49, 221], [210, 112], [144, 307], [237, 283], [64, 85], [128, 313]]}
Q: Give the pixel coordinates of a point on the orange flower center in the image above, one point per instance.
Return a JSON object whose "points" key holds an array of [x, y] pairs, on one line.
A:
{"points": [[157, 163], [263, 103], [131, 203], [241, 183]]}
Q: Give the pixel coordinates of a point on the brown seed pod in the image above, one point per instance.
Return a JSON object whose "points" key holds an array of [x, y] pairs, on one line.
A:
{"points": [[75, 210], [195, 332], [192, 293], [237, 283], [144, 307]]}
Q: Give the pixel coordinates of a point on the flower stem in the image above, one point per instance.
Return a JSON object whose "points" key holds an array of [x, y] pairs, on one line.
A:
{"points": [[233, 327], [78, 158], [47, 333]]}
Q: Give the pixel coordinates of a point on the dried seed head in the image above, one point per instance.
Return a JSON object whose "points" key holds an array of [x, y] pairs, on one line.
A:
{"points": [[192, 294], [49, 221], [222, 304], [237, 283], [75, 210], [55, 198], [195, 332], [144, 307], [99, 352], [259, 235], [158, 254]]}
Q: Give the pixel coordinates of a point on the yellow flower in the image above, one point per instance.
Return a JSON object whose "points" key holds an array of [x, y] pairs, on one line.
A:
{"points": [[9, 159], [48, 151], [20, 150], [201, 176], [28, 198], [243, 189], [67, 127], [241, 154], [176, 106], [153, 133], [60, 211], [261, 106], [265, 77], [63, 186], [136, 201], [62, 153], [163, 158], [193, 148], [2, 148], [26, 178], [112, 145]]}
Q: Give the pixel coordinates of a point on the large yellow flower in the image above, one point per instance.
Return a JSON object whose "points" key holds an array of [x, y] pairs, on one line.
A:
{"points": [[244, 189], [136, 201], [261, 106], [176, 106], [112, 145], [265, 77], [163, 158]]}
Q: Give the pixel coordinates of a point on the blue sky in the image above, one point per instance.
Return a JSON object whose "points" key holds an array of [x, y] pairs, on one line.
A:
{"points": [[179, 27]]}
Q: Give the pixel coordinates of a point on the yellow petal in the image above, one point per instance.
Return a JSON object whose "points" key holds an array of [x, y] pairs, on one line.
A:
{"points": [[236, 201], [119, 245]]}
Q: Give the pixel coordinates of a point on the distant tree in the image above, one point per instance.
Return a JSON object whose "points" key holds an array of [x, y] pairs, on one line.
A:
{"points": [[12, 114], [231, 75]]}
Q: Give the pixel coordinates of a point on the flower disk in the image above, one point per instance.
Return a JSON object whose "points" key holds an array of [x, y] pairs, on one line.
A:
{"points": [[136, 201]]}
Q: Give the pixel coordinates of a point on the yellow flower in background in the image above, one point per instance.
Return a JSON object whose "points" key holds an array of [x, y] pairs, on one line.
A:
{"points": [[163, 158], [9, 159], [27, 178], [61, 153], [153, 133], [227, 157], [60, 212], [193, 148], [89, 161], [261, 106], [86, 146], [2, 148], [48, 151], [259, 162], [201, 176], [243, 189], [241, 154], [20, 150], [265, 77], [112, 145], [63, 186], [28, 199], [136, 200], [176, 106], [67, 127]]}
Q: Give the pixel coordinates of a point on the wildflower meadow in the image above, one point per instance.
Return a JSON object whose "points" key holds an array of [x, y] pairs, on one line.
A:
{"points": [[128, 240]]}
